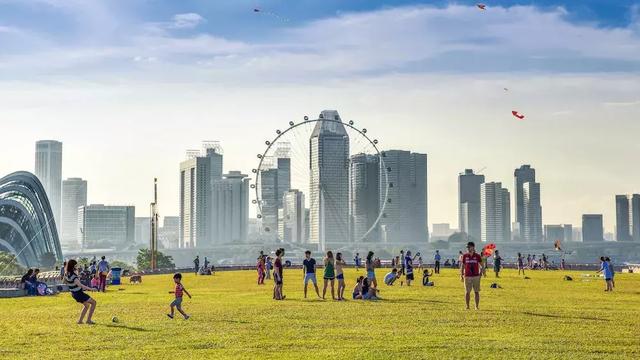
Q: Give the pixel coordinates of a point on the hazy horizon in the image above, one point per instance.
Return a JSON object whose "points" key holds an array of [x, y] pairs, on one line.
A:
{"points": [[128, 86]]}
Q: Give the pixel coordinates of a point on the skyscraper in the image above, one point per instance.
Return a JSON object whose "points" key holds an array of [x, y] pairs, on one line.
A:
{"points": [[469, 203], [168, 234], [592, 229], [197, 174], [405, 215], [532, 222], [522, 175], [103, 227], [230, 209], [274, 183], [49, 171], [562, 233], [74, 195], [329, 181], [495, 213], [294, 227], [628, 217], [364, 197], [142, 230]]}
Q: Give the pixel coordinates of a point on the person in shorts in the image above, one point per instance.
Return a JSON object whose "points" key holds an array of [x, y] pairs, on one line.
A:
{"points": [[76, 289], [177, 302], [391, 277], [408, 266], [278, 272], [605, 269], [370, 265], [329, 275], [309, 269], [521, 264], [470, 270], [340, 264], [437, 259]]}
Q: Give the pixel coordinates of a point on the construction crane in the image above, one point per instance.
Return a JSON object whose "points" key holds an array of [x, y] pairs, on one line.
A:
{"points": [[153, 246]]}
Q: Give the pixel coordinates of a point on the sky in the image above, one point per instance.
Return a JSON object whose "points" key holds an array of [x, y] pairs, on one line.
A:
{"points": [[129, 85]]}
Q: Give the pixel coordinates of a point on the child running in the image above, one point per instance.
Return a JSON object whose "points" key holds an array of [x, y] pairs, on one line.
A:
{"points": [[521, 264], [340, 264], [177, 302]]}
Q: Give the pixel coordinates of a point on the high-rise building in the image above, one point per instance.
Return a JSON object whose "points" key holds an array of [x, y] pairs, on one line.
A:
{"points": [[74, 195], [329, 181], [563, 233], [495, 213], [364, 197], [197, 175], [405, 213], [230, 209], [293, 217], [628, 217], [284, 178], [522, 175], [469, 203], [532, 221], [592, 228], [274, 183], [102, 227], [442, 230], [49, 171], [168, 234], [142, 230]]}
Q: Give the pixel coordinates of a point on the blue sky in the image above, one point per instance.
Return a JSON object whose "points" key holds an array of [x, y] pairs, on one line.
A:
{"points": [[153, 78]]}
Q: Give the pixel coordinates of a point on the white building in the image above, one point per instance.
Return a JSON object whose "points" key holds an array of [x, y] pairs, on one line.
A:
{"points": [[364, 197], [293, 217], [49, 171], [197, 173], [74, 195], [143, 231], [495, 213], [168, 234], [102, 226], [469, 203], [230, 209]]}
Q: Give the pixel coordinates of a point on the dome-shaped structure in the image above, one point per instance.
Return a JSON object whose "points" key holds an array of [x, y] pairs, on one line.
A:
{"points": [[27, 227]]}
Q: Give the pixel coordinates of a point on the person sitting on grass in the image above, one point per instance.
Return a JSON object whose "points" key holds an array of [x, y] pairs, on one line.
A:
{"points": [[369, 292], [357, 290], [76, 290], [425, 278], [177, 302], [25, 282], [391, 277]]}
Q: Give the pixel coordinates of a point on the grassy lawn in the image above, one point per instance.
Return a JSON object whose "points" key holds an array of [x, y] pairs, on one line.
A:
{"points": [[544, 317]]}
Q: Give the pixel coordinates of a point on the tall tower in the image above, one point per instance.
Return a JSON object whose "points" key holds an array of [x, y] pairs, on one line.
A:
{"points": [[623, 218], [49, 171], [230, 215], [469, 203], [74, 195], [522, 175], [532, 224], [197, 174], [405, 215], [364, 198], [329, 181], [495, 213]]}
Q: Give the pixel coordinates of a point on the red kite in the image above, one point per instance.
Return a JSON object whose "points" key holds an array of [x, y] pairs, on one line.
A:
{"points": [[518, 115], [488, 249], [482, 7], [557, 245]]}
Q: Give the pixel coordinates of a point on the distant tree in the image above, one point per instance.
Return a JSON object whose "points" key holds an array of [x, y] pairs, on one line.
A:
{"points": [[441, 244], [144, 260], [459, 237], [82, 262], [9, 265], [121, 264], [48, 260]]}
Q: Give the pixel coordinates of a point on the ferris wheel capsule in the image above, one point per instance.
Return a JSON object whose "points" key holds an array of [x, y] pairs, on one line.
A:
{"points": [[254, 170], [306, 118], [364, 131], [291, 123], [278, 132], [259, 216], [259, 156], [351, 122], [253, 186], [375, 141], [389, 169], [267, 142], [254, 201]]}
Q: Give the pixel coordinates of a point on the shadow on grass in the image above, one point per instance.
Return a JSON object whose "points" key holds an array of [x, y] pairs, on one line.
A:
{"points": [[565, 317], [134, 328]]}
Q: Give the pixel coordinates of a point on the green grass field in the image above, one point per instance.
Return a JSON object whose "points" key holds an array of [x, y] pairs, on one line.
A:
{"points": [[544, 317]]}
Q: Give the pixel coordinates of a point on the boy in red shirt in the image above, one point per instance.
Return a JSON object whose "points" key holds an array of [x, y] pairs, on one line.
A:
{"points": [[470, 270], [177, 303]]}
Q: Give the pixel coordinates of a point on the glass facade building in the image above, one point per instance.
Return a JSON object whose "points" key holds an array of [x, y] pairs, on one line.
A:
{"points": [[27, 224]]}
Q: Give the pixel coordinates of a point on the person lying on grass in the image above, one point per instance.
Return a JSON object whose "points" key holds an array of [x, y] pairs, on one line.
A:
{"points": [[177, 302]]}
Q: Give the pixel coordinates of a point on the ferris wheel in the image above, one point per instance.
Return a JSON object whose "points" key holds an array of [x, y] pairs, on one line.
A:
{"points": [[332, 171]]}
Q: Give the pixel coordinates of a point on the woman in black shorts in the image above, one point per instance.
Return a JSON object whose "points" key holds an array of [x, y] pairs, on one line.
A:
{"points": [[76, 289]]}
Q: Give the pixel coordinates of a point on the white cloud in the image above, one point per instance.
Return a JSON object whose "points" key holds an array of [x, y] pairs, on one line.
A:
{"points": [[622, 103], [187, 21]]}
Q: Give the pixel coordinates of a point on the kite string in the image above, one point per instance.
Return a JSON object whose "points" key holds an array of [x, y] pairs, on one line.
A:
{"points": [[20, 252]]}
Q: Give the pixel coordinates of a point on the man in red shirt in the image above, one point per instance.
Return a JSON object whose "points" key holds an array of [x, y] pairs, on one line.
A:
{"points": [[470, 270]]}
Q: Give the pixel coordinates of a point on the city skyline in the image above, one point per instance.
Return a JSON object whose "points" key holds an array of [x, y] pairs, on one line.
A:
{"points": [[114, 102]]}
